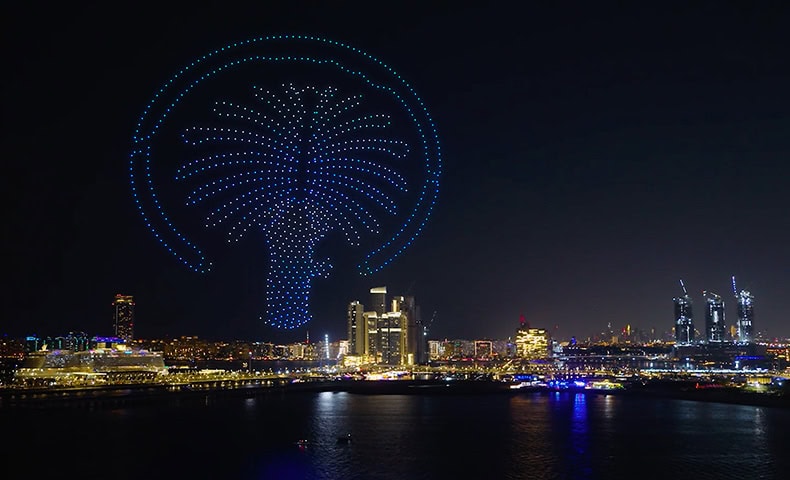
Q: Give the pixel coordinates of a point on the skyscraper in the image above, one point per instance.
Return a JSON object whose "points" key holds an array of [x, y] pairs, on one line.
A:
{"points": [[416, 339], [391, 342], [745, 304], [715, 328], [388, 332], [378, 300], [684, 318], [123, 306], [356, 328], [371, 347]]}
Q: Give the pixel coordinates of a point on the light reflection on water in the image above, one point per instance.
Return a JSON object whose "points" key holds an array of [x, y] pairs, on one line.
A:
{"points": [[580, 453], [511, 436]]}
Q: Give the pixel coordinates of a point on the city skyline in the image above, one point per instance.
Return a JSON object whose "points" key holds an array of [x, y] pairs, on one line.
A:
{"points": [[592, 157], [381, 303]]}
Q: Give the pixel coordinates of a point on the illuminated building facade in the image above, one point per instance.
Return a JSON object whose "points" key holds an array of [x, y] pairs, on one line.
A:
{"points": [[302, 351], [715, 328], [435, 349], [77, 341], [371, 347], [457, 349], [391, 336], [356, 328], [388, 332], [123, 306], [378, 300], [745, 302], [484, 349], [33, 343], [416, 334], [54, 343], [342, 348], [414, 343], [532, 343], [684, 320], [10, 348]]}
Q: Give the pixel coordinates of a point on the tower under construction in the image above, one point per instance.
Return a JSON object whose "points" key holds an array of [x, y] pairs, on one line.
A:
{"points": [[745, 304], [715, 329], [684, 318]]}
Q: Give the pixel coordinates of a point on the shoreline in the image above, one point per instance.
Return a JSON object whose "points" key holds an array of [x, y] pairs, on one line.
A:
{"points": [[131, 395]]}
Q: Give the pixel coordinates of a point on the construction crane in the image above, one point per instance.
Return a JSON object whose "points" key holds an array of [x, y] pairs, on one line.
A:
{"points": [[433, 317], [734, 290], [715, 295], [430, 322], [685, 293]]}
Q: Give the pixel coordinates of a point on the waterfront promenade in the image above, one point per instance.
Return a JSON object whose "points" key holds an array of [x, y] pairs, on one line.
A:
{"points": [[252, 386]]}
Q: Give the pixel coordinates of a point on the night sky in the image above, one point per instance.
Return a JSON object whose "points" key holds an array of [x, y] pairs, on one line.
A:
{"points": [[593, 155]]}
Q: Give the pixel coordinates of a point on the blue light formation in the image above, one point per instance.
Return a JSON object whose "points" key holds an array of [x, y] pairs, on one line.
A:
{"points": [[293, 161]]}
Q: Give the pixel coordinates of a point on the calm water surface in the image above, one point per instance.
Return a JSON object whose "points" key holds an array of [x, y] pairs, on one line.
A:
{"points": [[494, 436]]}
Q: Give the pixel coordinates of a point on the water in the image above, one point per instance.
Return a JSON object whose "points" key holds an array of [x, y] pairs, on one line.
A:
{"points": [[487, 436]]}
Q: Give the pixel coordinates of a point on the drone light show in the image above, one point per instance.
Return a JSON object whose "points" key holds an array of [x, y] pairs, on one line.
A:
{"points": [[286, 141]]}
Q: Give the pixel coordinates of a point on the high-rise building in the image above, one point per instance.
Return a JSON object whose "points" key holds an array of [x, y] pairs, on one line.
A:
{"points": [[684, 318], [123, 306], [715, 328], [745, 304], [416, 336], [371, 347], [412, 342], [387, 331], [531, 343], [378, 300], [391, 338], [356, 328]]}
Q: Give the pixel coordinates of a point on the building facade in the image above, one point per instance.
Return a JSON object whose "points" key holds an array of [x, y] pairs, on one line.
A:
{"points": [[745, 303], [684, 320], [371, 347], [387, 331], [392, 338], [123, 307], [715, 328], [356, 328], [484, 349], [532, 343], [378, 300]]}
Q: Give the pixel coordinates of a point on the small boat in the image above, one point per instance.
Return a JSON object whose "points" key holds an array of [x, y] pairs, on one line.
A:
{"points": [[301, 442], [344, 439]]}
